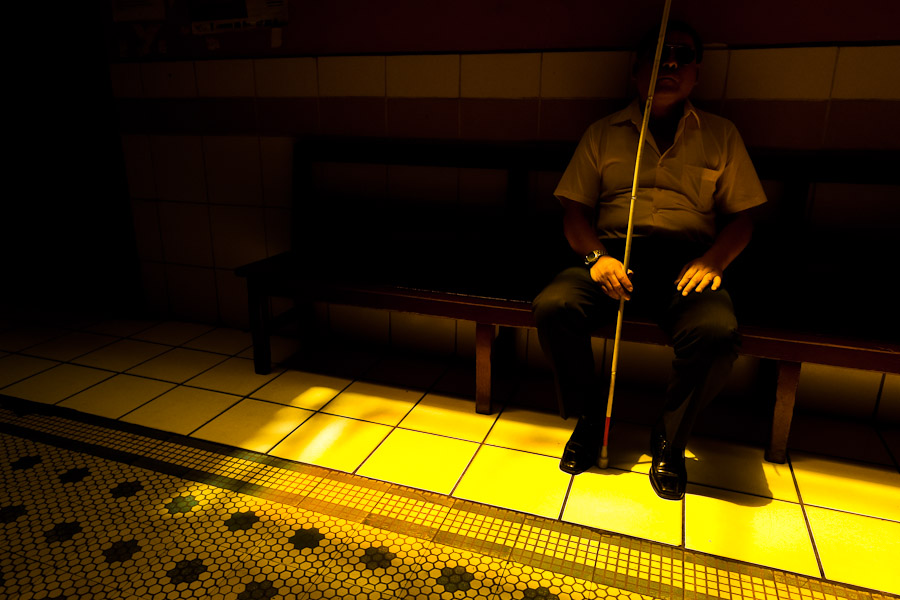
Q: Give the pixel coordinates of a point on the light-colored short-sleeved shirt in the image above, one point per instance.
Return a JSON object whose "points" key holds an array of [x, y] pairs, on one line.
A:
{"points": [[706, 172]]}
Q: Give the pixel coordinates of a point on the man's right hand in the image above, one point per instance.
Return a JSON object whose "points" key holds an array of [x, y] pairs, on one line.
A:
{"points": [[609, 273]]}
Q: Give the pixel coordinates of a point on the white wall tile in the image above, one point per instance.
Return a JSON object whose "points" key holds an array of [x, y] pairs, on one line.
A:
{"points": [[367, 325], [286, 77], [178, 168], [838, 391], [781, 73], [868, 72], [585, 74], [225, 78], [426, 76], [889, 405], [277, 170], [278, 230], [713, 73], [145, 217], [185, 233], [231, 292], [169, 79], [192, 293], [126, 80], [423, 333], [352, 76], [233, 170], [465, 339], [500, 75], [238, 235]]}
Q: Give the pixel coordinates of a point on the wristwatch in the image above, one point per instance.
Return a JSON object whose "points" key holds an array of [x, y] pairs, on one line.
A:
{"points": [[593, 257]]}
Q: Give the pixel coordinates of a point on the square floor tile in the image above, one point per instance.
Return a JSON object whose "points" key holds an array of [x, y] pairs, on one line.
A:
{"points": [[739, 468], [629, 446], [302, 389], [177, 365], [824, 482], [173, 333], [234, 376], [116, 396], [222, 340], [253, 425], [181, 410], [56, 384], [531, 431], [445, 415], [516, 480], [623, 502], [121, 355], [762, 531], [332, 442], [70, 345], [857, 550], [15, 367], [419, 460], [372, 402]]}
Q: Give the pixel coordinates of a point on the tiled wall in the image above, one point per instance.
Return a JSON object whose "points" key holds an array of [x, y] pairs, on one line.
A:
{"points": [[208, 146]]}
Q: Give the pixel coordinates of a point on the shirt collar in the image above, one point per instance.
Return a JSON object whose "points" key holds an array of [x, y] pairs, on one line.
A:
{"points": [[633, 113]]}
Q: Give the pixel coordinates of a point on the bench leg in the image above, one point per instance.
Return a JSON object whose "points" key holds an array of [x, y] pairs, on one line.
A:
{"points": [[484, 344], [785, 396], [260, 323]]}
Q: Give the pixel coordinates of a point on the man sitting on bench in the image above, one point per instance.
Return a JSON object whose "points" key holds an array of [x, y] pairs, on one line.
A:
{"points": [[690, 222]]}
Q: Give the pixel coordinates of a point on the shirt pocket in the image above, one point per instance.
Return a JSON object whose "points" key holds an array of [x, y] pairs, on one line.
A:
{"points": [[701, 187]]}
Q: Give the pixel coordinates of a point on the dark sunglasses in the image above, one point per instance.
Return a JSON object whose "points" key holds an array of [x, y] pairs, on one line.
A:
{"points": [[684, 55]]}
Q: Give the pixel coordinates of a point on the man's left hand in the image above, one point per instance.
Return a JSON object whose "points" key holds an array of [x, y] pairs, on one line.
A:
{"points": [[697, 275]]}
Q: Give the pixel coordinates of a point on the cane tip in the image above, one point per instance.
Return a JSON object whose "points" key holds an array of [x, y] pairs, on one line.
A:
{"points": [[603, 462]]}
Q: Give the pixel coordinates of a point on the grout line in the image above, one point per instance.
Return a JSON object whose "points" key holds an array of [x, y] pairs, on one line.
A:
{"points": [[809, 530]]}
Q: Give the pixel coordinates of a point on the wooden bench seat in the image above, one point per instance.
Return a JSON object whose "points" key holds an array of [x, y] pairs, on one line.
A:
{"points": [[471, 272]]}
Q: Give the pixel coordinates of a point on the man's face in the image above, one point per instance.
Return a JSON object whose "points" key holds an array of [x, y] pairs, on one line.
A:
{"points": [[676, 78]]}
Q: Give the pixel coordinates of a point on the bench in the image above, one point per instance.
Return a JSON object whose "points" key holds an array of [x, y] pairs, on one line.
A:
{"points": [[377, 245]]}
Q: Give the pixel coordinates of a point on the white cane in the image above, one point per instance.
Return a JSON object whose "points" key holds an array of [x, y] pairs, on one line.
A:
{"points": [[604, 457]]}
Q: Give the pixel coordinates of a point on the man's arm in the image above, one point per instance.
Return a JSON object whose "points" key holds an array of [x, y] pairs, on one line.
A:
{"points": [[579, 229], [707, 270]]}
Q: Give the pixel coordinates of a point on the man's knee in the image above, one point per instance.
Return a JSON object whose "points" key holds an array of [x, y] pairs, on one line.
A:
{"points": [[712, 326]]}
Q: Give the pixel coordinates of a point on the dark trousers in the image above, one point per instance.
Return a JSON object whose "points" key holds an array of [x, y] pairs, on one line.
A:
{"points": [[701, 327]]}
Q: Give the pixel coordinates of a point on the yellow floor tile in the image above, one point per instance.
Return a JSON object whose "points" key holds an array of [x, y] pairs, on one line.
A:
{"points": [[531, 431], [623, 502], [173, 333], [824, 482], [301, 389], [234, 376], [758, 530], [445, 415], [332, 442], [116, 396], [15, 367], [253, 425], [372, 402], [121, 355], [56, 384], [222, 340], [516, 480], [177, 365], [739, 468], [419, 460], [857, 550], [70, 346], [181, 410]]}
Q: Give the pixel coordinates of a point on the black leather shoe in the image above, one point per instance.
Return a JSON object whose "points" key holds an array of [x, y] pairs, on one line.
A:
{"points": [[583, 447], [668, 475]]}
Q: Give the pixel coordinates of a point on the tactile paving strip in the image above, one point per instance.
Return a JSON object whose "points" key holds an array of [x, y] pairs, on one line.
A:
{"points": [[91, 508]]}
